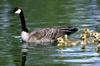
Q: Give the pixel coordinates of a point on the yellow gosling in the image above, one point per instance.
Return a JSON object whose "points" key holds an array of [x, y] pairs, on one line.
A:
{"points": [[61, 42], [66, 42], [86, 31], [96, 37], [69, 42], [95, 34], [85, 38]]}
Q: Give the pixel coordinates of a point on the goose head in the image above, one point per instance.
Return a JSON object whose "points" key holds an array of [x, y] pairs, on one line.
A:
{"points": [[16, 11], [19, 12]]}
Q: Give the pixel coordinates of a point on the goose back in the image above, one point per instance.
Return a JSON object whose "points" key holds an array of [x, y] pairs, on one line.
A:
{"points": [[49, 34]]}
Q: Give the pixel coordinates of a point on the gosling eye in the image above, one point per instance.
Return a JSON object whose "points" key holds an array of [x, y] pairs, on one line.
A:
{"points": [[58, 39], [95, 34]]}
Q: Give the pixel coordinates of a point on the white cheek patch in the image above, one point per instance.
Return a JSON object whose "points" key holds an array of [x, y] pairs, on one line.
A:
{"points": [[18, 11]]}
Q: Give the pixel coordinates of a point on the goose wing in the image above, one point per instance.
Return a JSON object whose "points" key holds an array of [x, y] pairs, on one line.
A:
{"points": [[51, 33], [54, 33]]}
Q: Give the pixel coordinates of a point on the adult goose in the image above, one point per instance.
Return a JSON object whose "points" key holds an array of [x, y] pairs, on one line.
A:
{"points": [[41, 35]]}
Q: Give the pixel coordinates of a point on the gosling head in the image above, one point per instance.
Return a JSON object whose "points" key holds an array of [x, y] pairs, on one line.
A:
{"points": [[86, 29], [60, 40], [95, 34], [16, 11]]}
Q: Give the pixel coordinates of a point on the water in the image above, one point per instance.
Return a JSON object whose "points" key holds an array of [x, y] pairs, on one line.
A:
{"points": [[48, 13]]}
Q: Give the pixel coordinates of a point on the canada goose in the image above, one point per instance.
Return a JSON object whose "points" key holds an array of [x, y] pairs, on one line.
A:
{"points": [[65, 41], [42, 35]]}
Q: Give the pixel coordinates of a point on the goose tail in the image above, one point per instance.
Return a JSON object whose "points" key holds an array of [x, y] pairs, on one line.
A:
{"points": [[69, 31]]}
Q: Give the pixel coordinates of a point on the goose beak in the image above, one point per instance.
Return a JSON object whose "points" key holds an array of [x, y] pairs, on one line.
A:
{"points": [[15, 11], [11, 11]]}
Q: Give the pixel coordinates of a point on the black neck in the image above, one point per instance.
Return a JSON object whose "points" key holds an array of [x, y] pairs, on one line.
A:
{"points": [[23, 25]]}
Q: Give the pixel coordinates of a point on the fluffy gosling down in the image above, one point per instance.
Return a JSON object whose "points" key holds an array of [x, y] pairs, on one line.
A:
{"points": [[85, 38], [96, 37], [64, 41]]}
